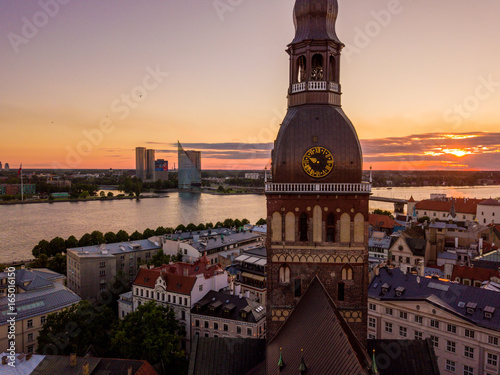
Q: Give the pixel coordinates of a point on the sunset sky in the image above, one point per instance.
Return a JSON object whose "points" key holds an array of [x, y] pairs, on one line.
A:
{"points": [[82, 83]]}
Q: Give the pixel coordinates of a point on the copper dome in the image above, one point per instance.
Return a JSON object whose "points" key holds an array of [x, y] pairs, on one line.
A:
{"points": [[315, 19], [325, 126]]}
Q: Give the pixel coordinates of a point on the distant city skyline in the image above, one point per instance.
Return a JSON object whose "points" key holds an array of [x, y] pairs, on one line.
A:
{"points": [[83, 95]]}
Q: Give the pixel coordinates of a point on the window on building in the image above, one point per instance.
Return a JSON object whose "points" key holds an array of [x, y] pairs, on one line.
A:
{"points": [[372, 307], [216, 326], [469, 333], [434, 324], [183, 315], [403, 331], [492, 359], [303, 227], [388, 311], [102, 273], [403, 315], [330, 228], [158, 296], [450, 365], [418, 319], [469, 352], [147, 293], [468, 370], [249, 331], [371, 337], [372, 322], [284, 274], [347, 272], [43, 319], [163, 297], [196, 323], [435, 341], [452, 328], [185, 301], [31, 349], [226, 328], [200, 288], [142, 292], [169, 298], [298, 287], [238, 330], [174, 299], [30, 337], [30, 323], [451, 346], [492, 340], [418, 335], [388, 327], [206, 325], [341, 291]]}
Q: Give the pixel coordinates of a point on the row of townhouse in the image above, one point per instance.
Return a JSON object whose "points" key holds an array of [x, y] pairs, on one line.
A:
{"points": [[462, 321]]}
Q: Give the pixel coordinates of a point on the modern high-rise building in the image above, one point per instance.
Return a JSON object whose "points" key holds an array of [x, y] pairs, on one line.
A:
{"points": [[161, 169], [150, 165], [1, 167], [140, 163], [7, 167], [317, 205], [189, 168]]}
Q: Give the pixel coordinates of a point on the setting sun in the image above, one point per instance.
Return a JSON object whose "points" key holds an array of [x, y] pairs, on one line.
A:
{"points": [[456, 152]]}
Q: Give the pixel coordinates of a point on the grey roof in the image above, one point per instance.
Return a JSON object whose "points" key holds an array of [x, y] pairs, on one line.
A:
{"points": [[257, 311], [226, 356], [447, 255], [111, 249], [39, 301], [382, 243], [429, 271], [492, 256], [416, 245], [443, 225], [416, 357], [449, 296], [231, 239], [258, 251]]}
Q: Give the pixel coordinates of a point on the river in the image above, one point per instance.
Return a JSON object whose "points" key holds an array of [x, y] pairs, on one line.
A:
{"points": [[22, 226]]}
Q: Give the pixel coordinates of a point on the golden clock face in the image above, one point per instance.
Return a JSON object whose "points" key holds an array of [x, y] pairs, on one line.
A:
{"points": [[318, 162]]}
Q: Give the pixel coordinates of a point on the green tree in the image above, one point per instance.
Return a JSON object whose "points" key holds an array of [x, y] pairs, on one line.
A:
{"points": [[56, 246], [40, 262], [136, 236], [209, 225], [180, 227], [160, 231], [43, 247], [138, 189], [382, 212], [97, 237], [122, 236], [110, 237], [191, 227], [151, 333], [160, 258], [57, 264], [245, 221], [110, 194], [201, 226], [148, 233], [119, 285], [423, 219], [261, 222], [219, 225], [102, 194], [228, 223], [237, 223], [75, 329], [221, 189], [86, 240], [71, 242]]}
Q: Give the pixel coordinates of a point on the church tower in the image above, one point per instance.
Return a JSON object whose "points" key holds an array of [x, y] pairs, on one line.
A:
{"points": [[317, 205]]}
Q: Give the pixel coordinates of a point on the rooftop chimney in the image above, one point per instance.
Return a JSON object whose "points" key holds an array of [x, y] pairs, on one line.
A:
{"points": [[421, 269], [85, 369], [72, 359], [129, 371]]}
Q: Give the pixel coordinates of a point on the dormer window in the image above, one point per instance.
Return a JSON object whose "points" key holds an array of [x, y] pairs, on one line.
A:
{"points": [[471, 307], [400, 290], [488, 312], [385, 288]]}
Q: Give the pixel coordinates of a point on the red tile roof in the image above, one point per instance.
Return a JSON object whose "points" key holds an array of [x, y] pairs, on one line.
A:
{"points": [[175, 283], [200, 267], [490, 202], [473, 273], [462, 205], [382, 221]]}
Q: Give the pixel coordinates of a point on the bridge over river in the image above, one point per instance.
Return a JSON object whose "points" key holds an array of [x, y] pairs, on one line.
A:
{"points": [[399, 204]]}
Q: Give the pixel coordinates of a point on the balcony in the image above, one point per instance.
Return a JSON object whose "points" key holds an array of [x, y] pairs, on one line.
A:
{"points": [[315, 86], [316, 188]]}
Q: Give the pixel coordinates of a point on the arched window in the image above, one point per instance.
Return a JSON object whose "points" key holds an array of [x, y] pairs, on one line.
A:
{"points": [[330, 228], [345, 228], [290, 227], [317, 224], [303, 227], [359, 228], [301, 69], [276, 227], [317, 68], [333, 70], [347, 272], [284, 274]]}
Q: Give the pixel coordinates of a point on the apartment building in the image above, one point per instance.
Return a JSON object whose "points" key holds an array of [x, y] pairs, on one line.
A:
{"points": [[39, 292], [461, 321], [251, 273], [90, 269]]}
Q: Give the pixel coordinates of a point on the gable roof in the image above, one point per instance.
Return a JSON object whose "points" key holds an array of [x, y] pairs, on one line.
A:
{"points": [[226, 356], [448, 296], [490, 202], [416, 245], [328, 343], [175, 283], [382, 221], [416, 357], [473, 273]]}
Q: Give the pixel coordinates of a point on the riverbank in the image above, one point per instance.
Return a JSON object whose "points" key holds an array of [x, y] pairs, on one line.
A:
{"points": [[89, 199]]}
